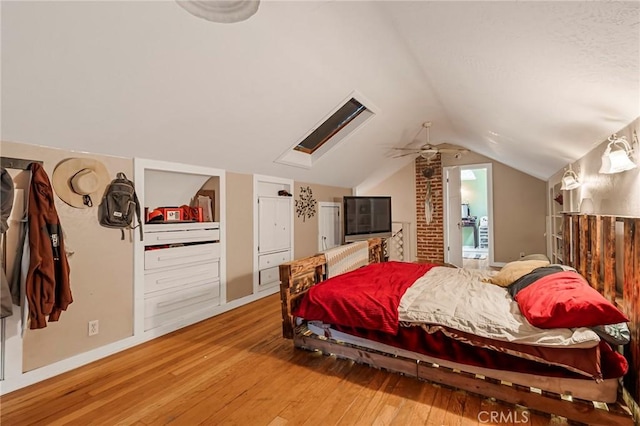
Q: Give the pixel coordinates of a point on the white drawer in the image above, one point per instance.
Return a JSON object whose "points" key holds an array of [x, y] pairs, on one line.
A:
{"points": [[162, 309], [181, 277], [186, 255], [172, 237], [274, 259], [269, 276]]}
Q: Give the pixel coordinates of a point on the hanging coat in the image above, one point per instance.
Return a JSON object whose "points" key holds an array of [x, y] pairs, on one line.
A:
{"points": [[6, 204], [47, 284]]}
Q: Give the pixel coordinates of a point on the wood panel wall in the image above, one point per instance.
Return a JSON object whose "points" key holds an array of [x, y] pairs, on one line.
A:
{"points": [[590, 247]]}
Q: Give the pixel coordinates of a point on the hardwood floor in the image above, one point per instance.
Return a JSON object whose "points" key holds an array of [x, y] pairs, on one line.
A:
{"points": [[236, 369]]}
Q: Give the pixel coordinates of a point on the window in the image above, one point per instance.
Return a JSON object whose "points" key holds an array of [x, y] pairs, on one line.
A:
{"points": [[343, 121], [332, 125]]}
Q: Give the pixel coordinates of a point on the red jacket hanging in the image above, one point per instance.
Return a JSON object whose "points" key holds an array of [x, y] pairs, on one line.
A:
{"points": [[47, 284]]}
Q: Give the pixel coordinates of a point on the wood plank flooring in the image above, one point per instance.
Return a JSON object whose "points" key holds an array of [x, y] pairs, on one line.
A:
{"points": [[236, 369]]}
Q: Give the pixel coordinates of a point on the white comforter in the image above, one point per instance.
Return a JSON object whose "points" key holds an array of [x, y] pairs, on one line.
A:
{"points": [[458, 299]]}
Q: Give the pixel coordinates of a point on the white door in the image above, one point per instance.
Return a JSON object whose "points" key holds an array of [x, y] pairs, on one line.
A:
{"points": [[453, 213], [330, 225], [274, 223]]}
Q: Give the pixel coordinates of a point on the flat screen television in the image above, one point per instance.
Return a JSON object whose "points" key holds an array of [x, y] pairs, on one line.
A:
{"points": [[366, 217]]}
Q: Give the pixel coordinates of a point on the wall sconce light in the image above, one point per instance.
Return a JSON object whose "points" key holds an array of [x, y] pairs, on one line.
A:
{"points": [[617, 156], [569, 180], [586, 206]]}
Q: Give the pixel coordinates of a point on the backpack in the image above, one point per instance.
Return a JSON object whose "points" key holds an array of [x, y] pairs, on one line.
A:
{"points": [[119, 205]]}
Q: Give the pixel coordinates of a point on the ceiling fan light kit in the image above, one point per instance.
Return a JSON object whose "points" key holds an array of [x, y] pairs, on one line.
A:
{"points": [[429, 151]]}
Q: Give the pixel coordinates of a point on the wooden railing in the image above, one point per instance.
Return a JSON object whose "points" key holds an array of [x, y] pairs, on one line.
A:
{"points": [[590, 243]]}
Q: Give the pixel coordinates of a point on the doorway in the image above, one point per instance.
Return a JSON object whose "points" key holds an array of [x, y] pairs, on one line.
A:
{"points": [[475, 245], [329, 225]]}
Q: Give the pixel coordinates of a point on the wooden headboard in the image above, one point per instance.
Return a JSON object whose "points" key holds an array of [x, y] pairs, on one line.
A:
{"points": [[297, 276], [590, 243]]}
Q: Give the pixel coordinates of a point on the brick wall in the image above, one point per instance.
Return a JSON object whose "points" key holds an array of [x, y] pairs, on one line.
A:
{"points": [[430, 237]]}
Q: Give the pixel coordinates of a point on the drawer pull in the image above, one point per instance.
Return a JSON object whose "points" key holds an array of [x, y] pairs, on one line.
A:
{"points": [[184, 280], [173, 302], [184, 256], [171, 237]]}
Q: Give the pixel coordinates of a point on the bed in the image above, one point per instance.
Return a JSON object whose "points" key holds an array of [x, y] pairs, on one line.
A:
{"points": [[569, 374]]}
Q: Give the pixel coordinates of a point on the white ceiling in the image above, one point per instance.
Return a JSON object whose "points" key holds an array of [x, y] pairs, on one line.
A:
{"points": [[534, 85]]}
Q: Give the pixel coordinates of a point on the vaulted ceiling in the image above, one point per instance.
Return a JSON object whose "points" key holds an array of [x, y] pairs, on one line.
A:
{"points": [[534, 85]]}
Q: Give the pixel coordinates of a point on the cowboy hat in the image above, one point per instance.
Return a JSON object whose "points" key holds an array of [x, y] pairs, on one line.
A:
{"points": [[80, 182]]}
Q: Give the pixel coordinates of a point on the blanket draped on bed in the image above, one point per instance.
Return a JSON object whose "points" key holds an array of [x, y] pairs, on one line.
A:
{"points": [[367, 297], [346, 258], [457, 298]]}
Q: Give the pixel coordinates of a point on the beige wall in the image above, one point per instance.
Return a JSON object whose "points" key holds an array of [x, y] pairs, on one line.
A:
{"points": [[101, 272], [306, 231], [614, 194], [239, 235], [401, 187], [519, 204], [519, 208], [104, 292]]}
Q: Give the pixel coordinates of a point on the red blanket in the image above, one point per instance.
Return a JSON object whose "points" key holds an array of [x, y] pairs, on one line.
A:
{"points": [[372, 300]]}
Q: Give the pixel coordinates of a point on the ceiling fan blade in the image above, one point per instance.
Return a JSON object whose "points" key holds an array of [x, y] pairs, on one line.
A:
{"points": [[405, 154], [416, 150]]}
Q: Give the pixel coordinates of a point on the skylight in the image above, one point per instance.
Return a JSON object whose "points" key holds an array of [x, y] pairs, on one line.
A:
{"points": [[338, 120], [343, 121]]}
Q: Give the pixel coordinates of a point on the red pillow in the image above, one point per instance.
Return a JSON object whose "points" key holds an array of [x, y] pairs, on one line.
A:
{"points": [[565, 300]]}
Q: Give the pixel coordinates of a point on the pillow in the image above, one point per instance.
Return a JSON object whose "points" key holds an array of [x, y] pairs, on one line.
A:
{"points": [[530, 278], [564, 267], [616, 334], [534, 257], [565, 300], [514, 270]]}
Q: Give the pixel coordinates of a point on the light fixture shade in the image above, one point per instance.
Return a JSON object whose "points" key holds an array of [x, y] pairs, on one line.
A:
{"points": [[616, 157], [620, 162], [569, 181], [606, 162], [586, 206]]}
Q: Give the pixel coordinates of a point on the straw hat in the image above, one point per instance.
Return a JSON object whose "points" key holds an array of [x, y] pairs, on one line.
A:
{"points": [[80, 182]]}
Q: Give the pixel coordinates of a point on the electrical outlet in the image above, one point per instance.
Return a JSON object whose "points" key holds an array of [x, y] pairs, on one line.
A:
{"points": [[521, 254], [94, 327]]}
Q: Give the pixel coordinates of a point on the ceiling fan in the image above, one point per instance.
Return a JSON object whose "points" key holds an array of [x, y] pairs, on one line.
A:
{"points": [[428, 150]]}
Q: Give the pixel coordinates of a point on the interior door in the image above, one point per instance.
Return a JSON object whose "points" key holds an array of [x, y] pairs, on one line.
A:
{"points": [[453, 215], [330, 226]]}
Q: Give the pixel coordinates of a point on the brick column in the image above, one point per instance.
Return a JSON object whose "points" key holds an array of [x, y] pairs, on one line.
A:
{"points": [[430, 237]]}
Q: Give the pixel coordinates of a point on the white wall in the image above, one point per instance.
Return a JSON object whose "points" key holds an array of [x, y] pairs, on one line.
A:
{"points": [[613, 194], [147, 79]]}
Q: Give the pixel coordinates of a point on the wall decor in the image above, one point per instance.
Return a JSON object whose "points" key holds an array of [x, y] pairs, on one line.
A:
{"points": [[306, 205]]}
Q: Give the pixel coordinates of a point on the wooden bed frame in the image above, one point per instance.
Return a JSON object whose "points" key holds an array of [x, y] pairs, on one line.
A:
{"points": [[589, 246]]}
